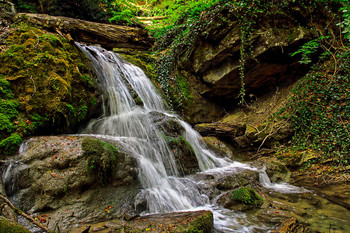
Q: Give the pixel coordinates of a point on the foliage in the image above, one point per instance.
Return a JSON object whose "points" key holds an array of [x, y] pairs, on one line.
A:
{"points": [[345, 24], [101, 158], [309, 49], [124, 17], [94, 10], [319, 109], [178, 34], [247, 196]]}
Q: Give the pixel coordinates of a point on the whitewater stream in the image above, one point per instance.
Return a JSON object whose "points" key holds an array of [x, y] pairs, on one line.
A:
{"points": [[130, 125]]}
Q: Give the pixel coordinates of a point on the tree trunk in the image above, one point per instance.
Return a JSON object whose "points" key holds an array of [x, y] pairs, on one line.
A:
{"points": [[107, 35]]}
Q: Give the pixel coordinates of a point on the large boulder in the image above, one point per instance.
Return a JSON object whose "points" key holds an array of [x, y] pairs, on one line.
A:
{"points": [[63, 179]]}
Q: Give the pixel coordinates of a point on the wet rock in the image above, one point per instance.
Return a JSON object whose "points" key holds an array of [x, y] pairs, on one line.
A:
{"points": [[55, 177], [243, 178], [220, 147], [276, 170], [184, 154], [195, 221], [216, 184], [170, 126], [241, 199]]}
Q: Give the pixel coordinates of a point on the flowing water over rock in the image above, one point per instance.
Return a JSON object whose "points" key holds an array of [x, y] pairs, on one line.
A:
{"points": [[131, 126], [175, 168]]}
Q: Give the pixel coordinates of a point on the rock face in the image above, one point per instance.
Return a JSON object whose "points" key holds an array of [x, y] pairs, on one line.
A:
{"points": [[53, 177], [211, 65], [107, 35]]}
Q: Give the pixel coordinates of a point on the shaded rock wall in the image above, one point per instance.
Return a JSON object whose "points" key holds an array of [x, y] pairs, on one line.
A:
{"points": [[212, 64]]}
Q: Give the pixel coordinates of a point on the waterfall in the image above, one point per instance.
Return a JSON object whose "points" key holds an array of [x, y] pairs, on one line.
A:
{"points": [[130, 125]]}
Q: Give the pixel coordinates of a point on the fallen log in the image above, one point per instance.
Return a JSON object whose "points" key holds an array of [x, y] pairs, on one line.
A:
{"points": [[221, 130], [107, 35]]}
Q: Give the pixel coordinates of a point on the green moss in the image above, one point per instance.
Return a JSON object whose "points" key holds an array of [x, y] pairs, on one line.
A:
{"points": [[44, 81], [10, 144], [101, 158], [202, 224], [247, 196], [10, 227]]}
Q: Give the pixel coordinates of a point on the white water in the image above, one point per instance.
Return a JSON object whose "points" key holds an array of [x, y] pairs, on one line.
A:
{"points": [[130, 125], [278, 187]]}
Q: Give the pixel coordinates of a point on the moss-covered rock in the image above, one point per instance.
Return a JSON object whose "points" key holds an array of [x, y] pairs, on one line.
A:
{"points": [[247, 196], [10, 227], [101, 158], [44, 81]]}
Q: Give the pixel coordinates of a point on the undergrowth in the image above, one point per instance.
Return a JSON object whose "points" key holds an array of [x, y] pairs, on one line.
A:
{"points": [[319, 105]]}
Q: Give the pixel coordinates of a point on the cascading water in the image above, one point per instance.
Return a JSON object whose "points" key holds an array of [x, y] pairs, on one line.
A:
{"points": [[131, 126]]}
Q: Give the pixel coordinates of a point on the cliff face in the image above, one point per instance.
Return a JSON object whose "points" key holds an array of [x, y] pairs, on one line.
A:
{"points": [[226, 52]]}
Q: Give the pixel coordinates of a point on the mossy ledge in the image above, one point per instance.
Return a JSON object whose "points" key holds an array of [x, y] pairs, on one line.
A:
{"points": [[46, 86]]}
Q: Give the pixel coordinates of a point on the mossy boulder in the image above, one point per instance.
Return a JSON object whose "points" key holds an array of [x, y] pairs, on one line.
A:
{"points": [[172, 130], [10, 227], [247, 196], [242, 199], [46, 85]]}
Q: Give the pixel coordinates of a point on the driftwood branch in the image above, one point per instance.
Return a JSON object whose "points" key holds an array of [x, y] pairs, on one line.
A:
{"points": [[23, 214]]}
